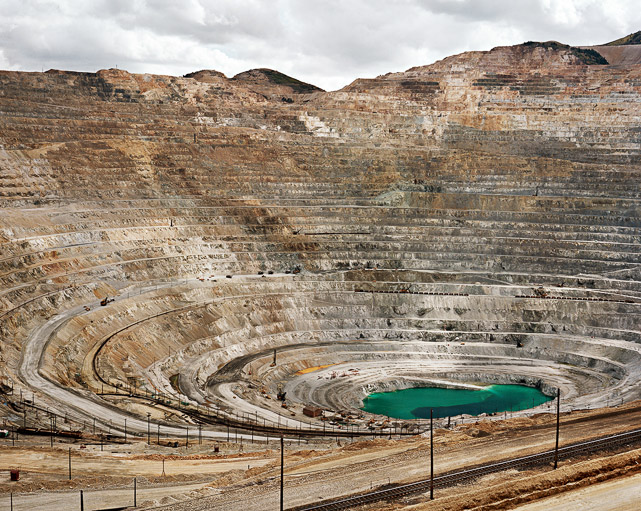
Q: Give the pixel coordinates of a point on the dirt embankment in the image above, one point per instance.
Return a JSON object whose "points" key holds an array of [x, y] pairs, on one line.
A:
{"points": [[494, 492]]}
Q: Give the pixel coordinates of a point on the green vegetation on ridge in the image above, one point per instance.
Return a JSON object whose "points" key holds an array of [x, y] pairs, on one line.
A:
{"points": [[282, 79], [628, 39], [278, 78], [586, 56]]}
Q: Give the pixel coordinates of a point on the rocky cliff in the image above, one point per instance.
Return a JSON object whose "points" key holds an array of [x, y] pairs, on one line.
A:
{"points": [[489, 201], [518, 120]]}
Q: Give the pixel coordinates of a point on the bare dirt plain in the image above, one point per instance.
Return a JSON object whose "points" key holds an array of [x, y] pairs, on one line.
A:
{"points": [[619, 494], [200, 480]]}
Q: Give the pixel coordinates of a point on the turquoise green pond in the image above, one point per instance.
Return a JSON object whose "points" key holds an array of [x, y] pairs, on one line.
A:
{"points": [[416, 403]]}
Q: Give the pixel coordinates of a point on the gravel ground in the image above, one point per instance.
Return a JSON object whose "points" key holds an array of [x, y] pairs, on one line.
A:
{"points": [[353, 471], [618, 495], [311, 475]]}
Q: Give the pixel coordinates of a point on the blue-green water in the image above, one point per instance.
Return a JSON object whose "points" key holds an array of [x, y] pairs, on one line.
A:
{"points": [[416, 403]]}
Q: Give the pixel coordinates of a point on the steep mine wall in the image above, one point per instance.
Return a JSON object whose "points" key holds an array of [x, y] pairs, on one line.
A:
{"points": [[515, 120], [475, 219]]}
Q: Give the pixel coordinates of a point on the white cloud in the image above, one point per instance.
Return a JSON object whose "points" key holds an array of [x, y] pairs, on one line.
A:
{"points": [[4, 63], [327, 43]]}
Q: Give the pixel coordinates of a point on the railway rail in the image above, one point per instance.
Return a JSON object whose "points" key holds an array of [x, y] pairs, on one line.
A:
{"points": [[216, 418], [207, 416], [461, 476]]}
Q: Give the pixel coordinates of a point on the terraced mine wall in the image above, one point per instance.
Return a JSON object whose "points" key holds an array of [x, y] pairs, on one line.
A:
{"points": [[475, 220]]}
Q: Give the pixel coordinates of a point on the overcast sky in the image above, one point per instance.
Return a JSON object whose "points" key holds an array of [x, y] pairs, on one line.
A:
{"points": [[325, 42]]}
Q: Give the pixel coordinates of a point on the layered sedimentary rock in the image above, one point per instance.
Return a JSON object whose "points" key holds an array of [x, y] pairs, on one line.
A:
{"points": [[476, 219]]}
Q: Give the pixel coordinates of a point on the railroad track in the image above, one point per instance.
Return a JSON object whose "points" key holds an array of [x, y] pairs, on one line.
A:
{"points": [[457, 477], [205, 417]]}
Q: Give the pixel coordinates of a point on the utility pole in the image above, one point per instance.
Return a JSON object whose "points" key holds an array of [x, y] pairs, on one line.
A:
{"points": [[282, 471], [431, 454], [558, 413], [125, 430], [148, 429], [69, 463]]}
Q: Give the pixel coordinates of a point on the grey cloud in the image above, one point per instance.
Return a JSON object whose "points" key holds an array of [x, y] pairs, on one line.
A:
{"points": [[485, 11], [328, 42]]}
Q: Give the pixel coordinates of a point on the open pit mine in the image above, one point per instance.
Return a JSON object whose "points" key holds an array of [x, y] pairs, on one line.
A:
{"points": [[222, 260]]}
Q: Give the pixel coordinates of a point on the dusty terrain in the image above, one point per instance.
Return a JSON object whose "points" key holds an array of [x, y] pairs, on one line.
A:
{"points": [[621, 494], [250, 480]]}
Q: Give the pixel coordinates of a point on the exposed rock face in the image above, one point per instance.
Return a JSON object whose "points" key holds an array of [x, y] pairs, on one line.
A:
{"points": [[489, 200], [624, 56], [535, 116]]}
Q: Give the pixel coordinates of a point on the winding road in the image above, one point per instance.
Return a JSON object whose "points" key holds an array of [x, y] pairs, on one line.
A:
{"points": [[84, 403]]}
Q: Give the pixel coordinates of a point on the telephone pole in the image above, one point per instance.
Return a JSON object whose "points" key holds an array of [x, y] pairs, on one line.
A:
{"points": [[282, 471], [558, 413], [431, 454]]}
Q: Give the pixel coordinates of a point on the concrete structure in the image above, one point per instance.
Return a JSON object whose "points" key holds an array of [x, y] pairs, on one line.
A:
{"points": [[312, 411]]}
